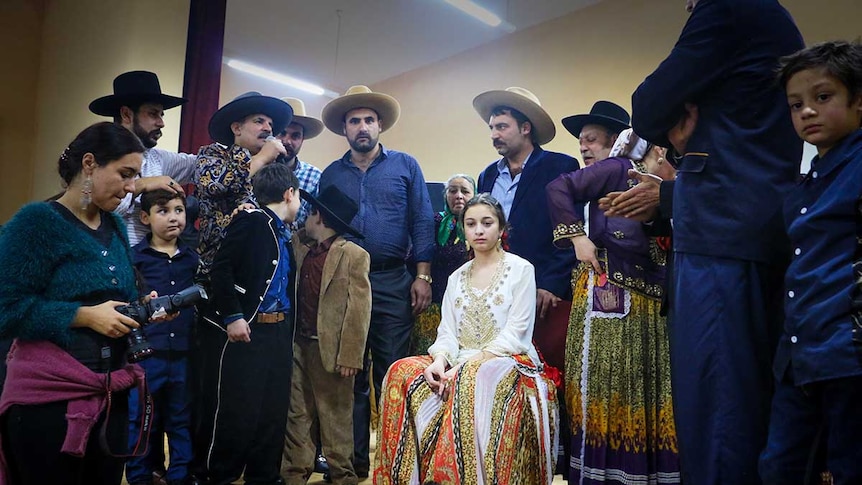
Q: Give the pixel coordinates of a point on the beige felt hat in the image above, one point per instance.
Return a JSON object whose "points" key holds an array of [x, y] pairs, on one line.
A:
{"points": [[523, 101], [311, 127], [386, 107]]}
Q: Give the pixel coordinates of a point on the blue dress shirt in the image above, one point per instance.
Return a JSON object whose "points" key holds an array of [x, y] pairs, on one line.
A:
{"points": [[821, 221], [167, 275], [505, 185], [394, 206]]}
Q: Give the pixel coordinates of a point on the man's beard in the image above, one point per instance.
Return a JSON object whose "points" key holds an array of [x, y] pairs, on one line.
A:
{"points": [[149, 139], [363, 147]]}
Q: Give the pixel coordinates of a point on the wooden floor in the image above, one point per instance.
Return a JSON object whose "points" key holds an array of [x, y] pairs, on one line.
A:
{"points": [[317, 478]]}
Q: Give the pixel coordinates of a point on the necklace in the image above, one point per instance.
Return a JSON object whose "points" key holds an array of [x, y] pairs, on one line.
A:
{"points": [[478, 326]]}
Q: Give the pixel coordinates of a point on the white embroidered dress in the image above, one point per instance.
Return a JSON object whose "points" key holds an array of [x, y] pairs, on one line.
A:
{"points": [[498, 319]]}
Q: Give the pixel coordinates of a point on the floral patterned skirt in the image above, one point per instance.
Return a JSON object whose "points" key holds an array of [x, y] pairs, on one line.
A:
{"points": [[618, 390], [425, 330], [499, 425]]}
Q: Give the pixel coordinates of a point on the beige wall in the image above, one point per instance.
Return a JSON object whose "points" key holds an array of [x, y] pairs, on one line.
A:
{"points": [[21, 27], [601, 52], [80, 46]]}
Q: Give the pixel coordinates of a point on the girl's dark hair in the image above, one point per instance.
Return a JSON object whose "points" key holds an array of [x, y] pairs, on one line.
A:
{"points": [[106, 141], [841, 60], [486, 199]]}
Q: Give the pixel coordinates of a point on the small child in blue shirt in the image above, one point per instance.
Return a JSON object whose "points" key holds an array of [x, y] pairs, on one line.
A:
{"points": [[818, 366], [167, 266]]}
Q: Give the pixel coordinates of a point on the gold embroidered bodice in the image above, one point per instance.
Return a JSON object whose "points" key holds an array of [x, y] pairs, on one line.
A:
{"points": [[478, 327]]}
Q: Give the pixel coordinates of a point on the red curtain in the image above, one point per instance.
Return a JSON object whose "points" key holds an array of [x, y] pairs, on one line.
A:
{"points": [[204, 49]]}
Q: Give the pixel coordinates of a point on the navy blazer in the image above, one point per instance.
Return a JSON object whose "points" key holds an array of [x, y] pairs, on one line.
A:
{"points": [[531, 234], [744, 155], [244, 266]]}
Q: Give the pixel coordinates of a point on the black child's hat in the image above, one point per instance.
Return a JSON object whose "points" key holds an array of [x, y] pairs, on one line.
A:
{"points": [[338, 209]]}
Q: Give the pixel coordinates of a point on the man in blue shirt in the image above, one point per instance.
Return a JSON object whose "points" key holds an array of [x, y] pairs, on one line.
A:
{"points": [[396, 217]]}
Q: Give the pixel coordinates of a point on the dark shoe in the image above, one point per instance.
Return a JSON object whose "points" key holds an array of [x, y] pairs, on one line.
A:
{"points": [[159, 477], [327, 477], [320, 465]]}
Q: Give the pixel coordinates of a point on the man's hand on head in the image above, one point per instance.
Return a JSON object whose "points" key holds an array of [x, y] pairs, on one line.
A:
{"points": [[163, 182]]}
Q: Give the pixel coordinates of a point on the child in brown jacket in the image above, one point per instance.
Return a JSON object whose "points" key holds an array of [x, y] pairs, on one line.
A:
{"points": [[334, 312]]}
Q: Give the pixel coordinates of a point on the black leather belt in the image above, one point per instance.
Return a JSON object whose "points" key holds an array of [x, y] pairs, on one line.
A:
{"points": [[386, 265]]}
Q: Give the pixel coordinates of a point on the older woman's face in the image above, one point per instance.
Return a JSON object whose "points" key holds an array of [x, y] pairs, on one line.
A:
{"points": [[113, 181], [458, 192]]}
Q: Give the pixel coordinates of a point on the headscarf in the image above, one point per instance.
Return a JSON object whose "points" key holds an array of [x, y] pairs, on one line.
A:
{"points": [[450, 220], [630, 145]]}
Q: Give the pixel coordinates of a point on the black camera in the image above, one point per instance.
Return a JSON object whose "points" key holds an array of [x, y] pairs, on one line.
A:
{"points": [[139, 348]]}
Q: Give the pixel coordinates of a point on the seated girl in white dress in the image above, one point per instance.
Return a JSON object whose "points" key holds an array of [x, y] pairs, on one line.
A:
{"points": [[478, 408]]}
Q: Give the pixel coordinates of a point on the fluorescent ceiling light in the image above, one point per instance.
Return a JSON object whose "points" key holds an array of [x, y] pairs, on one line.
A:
{"points": [[280, 78], [475, 10]]}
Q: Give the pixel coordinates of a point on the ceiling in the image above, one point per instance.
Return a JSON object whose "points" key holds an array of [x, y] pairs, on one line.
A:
{"points": [[379, 39]]}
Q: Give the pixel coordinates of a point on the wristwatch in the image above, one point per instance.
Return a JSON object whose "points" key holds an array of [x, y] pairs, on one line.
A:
{"points": [[425, 277]]}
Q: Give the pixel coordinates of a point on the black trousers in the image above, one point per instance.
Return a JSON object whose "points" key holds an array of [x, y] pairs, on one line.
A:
{"points": [[252, 401], [389, 340], [34, 435], [206, 348]]}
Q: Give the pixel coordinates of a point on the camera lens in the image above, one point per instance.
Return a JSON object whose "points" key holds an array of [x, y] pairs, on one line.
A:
{"points": [[139, 348]]}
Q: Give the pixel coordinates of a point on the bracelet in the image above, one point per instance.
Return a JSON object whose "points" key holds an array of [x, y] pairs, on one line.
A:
{"points": [[425, 277]]}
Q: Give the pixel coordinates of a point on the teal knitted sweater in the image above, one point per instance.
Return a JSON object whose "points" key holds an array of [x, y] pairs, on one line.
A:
{"points": [[49, 267]]}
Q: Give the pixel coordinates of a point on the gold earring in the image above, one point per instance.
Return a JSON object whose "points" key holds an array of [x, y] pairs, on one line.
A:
{"points": [[660, 160]]}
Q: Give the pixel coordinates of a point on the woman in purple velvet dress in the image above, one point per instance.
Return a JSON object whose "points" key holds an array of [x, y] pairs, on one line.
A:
{"points": [[618, 393], [450, 254]]}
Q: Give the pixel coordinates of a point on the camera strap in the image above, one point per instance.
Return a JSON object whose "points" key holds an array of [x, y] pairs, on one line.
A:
{"points": [[145, 406]]}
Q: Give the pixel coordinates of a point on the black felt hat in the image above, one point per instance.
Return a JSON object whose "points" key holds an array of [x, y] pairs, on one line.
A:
{"points": [[134, 88], [248, 104], [610, 115], [338, 209]]}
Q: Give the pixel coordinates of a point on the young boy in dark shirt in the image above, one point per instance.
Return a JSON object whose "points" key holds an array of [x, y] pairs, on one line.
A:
{"points": [[818, 368], [167, 266]]}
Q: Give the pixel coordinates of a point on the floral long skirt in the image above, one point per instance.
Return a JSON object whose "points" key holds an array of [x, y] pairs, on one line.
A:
{"points": [[618, 387], [499, 425]]}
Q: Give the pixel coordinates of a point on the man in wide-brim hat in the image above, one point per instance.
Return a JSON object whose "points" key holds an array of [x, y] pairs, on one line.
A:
{"points": [[139, 105], [301, 128], [394, 212], [519, 126], [598, 130], [243, 130]]}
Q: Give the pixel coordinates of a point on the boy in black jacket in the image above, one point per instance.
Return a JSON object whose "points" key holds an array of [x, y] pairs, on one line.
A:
{"points": [[252, 285]]}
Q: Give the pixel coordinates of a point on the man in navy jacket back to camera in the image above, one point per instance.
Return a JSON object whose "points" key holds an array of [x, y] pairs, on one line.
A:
{"points": [[716, 101]]}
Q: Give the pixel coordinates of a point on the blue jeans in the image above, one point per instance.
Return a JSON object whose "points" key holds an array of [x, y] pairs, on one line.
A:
{"points": [[166, 380], [805, 418]]}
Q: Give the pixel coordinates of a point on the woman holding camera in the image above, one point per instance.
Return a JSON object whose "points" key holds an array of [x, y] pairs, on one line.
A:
{"points": [[65, 266]]}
